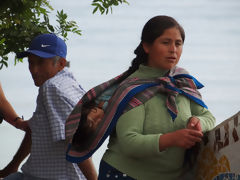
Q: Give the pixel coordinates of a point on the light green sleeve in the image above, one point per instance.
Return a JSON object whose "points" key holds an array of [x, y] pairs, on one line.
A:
{"points": [[130, 135], [207, 120]]}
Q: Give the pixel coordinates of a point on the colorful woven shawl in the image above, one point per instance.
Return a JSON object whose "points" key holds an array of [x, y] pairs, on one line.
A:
{"points": [[130, 93]]}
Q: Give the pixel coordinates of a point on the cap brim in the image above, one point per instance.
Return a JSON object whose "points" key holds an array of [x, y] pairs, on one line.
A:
{"points": [[35, 52]]}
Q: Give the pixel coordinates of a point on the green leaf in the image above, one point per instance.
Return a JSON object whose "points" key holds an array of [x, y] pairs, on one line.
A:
{"points": [[95, 4], [51, 28], [105, 5], [2, 40], [115, 3], [3, 63], [95, 9]]}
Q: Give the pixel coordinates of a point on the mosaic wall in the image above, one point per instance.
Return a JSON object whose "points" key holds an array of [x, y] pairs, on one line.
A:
{"points": [[219, 157]]}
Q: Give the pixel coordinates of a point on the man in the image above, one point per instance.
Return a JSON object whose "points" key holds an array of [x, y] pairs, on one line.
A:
{"points": [[58, 94]]}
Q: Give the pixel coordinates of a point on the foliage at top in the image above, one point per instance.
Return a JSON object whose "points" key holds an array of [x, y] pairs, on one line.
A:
{"points": [[21, 20], [105, 5]]}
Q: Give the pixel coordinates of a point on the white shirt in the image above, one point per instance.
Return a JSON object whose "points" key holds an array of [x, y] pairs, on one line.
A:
{"points": [[55, 101]]}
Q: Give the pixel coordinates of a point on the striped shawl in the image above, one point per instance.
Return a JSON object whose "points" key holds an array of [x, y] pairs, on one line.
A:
{"points": [[130, 93]]}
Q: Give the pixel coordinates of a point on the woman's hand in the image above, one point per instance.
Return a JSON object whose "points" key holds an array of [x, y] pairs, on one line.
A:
{"points": [[194, 123], [185, 138]]}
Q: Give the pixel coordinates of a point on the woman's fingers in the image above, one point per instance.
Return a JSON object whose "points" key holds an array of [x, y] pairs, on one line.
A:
{"points": [[187, 138], [195, 139], [194, 123], [195, 133]]}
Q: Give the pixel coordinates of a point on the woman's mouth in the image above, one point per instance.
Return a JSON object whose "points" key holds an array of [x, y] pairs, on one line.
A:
{"points": [[171, 59]]}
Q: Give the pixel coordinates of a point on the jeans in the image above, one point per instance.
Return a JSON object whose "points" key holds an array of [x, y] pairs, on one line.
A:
{"points": [[21, 176], [107, 172], [15, 176]]}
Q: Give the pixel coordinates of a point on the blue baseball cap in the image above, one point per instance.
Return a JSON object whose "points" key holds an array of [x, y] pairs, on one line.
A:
{"points": [[46, 46]]}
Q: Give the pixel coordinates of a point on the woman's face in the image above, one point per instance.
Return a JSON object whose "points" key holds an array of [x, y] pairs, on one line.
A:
{"points": [[166, 50]]}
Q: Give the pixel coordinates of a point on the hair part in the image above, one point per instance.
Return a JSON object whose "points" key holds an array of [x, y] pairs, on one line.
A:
{"points": [[156, 26]]}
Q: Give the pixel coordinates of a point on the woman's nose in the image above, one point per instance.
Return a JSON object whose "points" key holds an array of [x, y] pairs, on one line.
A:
{"points": [[172, 48]]}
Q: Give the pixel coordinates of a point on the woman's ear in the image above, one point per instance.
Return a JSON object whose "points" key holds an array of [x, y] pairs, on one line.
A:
{"points": [[146, 47]]}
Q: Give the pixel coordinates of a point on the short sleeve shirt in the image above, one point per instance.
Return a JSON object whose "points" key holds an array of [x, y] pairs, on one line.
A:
{"points": [[55, 101]]}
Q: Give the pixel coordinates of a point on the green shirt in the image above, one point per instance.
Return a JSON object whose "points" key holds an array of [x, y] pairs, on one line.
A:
{"points": [[134, 148]]}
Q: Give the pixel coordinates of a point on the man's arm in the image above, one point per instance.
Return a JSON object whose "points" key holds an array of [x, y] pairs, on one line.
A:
{"points": [[20, 155], [58, 105], [88, 169]]}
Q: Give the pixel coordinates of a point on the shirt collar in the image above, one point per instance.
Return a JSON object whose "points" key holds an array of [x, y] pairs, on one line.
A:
{"points": [[149, 72]]}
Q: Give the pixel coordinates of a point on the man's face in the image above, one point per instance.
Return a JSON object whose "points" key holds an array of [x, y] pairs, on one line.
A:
{"points": [[42, 69]]}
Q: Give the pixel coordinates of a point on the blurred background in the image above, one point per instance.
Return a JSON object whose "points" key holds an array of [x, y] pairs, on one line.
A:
{"points": [[211, 54]]}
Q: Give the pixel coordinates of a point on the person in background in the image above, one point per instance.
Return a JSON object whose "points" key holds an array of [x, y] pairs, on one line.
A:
{"points": [[7, 112], [58, 94], [150, 140]]}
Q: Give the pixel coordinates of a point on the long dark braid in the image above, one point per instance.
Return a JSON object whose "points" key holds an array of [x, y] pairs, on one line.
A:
{"points": [[141, 58]]}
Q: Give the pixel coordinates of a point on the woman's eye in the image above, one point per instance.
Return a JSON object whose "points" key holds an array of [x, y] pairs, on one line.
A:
{"points": [[165, 42], [178, 44]]}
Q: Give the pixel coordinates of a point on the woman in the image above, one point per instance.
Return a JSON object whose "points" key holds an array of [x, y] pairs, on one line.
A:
{"points": [[150, 140], [8, 113]]}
